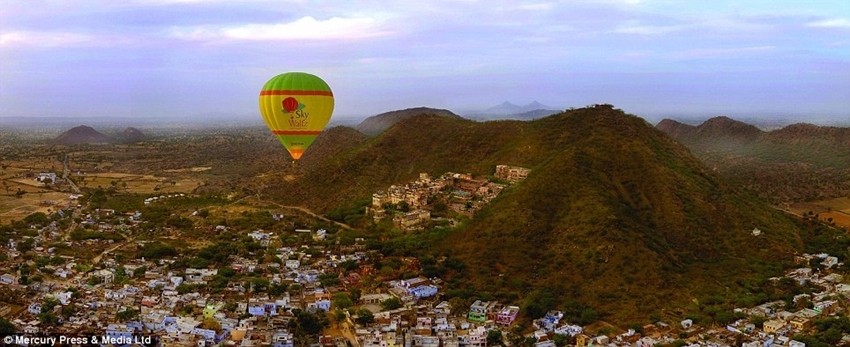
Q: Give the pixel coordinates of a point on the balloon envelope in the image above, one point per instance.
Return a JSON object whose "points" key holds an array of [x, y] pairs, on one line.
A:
{"points": [[296, 106]]}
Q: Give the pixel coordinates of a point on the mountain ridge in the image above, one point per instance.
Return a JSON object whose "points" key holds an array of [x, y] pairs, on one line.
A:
{"points": [[608, 195], [796, 163], [82, 134], [376, 124]]}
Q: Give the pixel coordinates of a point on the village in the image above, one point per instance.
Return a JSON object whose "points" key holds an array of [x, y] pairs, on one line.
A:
{"points": [[318, 294]]}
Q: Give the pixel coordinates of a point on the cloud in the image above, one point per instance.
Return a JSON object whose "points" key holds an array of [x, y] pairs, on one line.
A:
{"points": [[647, 29], [305, 28], [841, 23], [722, 52], [541, 6], [45, 39]]}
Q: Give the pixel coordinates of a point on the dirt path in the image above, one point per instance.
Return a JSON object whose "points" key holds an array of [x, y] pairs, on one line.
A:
{"points": [[297, 208]]}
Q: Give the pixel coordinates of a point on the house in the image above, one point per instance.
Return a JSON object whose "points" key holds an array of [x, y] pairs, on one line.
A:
{"points": [[34, 308], [549, 321], [826, 307], [568, 329], [324, 305], [293, 264], [801, 323], [282, 338], [423, 291], [261, 237], [413, 219], [402, 294], [7, 279], [511, 173], [507, 315], [64, 298], [829, 262], [413, 282], [320, 235], [374, 298], [582, 340], [773, 325], [120, 332], [106, 276], [46, 177], [478, 311]]}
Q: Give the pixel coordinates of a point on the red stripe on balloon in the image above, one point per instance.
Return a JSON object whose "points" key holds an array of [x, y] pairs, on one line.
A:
{"points": [[296, 132], [296, 92]]}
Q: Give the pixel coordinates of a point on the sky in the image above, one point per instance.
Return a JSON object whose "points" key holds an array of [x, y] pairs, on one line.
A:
{"points": [[654, 58]]}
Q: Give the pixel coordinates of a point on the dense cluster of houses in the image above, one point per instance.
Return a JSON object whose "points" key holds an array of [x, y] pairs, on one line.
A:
{"points": [[143, 297], [461, 193]]}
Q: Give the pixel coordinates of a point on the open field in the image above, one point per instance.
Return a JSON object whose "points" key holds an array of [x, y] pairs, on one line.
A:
{"points": [[838, 209], [837, 204], [191, 169], [141, 184], [13, 208]]}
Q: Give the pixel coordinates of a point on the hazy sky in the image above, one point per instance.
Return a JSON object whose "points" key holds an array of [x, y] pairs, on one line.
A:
{"points": [[175, 58]]}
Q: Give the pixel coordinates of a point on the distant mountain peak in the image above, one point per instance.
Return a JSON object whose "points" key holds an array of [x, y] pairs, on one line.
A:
{"points": [[378, 123], [510, 110], [535, 105], [80, 135], [132, 134]]}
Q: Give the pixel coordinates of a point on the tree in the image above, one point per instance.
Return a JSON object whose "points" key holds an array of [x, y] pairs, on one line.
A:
{"points": [[127, 315], [339, 316], [355, 293], [561, 340], [25, 245], [6, 327], [48, 318], [342, 301], [307, 323], [364, 317], [494, 337], [391, 304]]}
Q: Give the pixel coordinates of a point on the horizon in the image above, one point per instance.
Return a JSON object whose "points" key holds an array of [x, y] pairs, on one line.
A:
{"points": [[653, 58], [225, 121]]}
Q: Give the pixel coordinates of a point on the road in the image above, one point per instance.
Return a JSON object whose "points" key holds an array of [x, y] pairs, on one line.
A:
{"points": [[348, 332], [300, 209], [66, 175], [127, 240]]}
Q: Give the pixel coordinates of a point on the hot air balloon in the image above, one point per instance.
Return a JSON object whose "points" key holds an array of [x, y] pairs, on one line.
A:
{"points": [[296, 107]]}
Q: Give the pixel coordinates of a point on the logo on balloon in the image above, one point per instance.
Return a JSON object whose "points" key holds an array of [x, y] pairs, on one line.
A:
{"points": [[297, 115], [290, 104]]}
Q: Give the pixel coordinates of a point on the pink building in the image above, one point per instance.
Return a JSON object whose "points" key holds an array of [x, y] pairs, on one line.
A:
{"points": [[507, 315]]}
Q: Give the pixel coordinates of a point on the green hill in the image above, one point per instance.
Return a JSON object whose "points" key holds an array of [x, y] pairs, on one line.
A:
{"points": [[800, 162], [376, 124], [615, 215]]}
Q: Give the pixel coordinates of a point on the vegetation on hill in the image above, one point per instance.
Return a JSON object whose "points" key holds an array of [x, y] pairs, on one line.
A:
{"points": [[615, 220], [377, 124], [800, 162], [81, 135]]}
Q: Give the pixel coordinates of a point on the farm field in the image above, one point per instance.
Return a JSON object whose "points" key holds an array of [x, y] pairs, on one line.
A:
{"points": [[833, 210], [14, 208], [139, 184]]}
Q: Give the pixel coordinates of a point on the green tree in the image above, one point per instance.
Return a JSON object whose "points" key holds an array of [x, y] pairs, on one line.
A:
{"points": [[391, 304], [48, 318], [342, 300], [127, 315], [364, 317], [6, 327], [494, 337], [561, 340]]}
